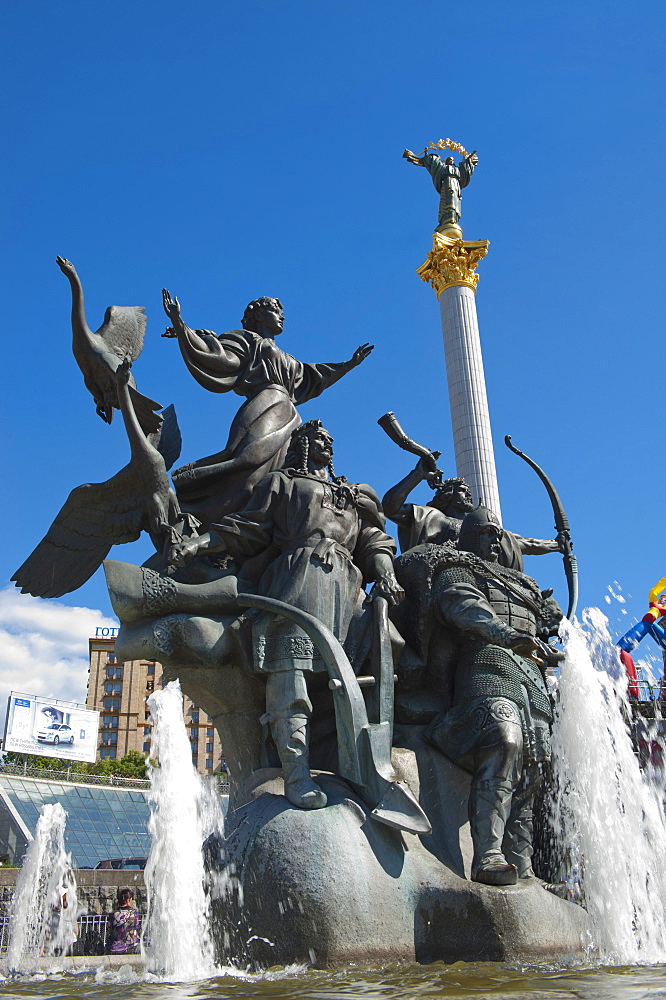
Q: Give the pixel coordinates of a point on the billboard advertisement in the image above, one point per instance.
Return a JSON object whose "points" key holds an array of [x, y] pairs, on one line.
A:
{"points": [[46, 727]]}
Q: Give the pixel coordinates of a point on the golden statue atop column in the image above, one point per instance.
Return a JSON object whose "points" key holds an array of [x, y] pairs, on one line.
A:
{"points": [[452, 260], [450, 268]]}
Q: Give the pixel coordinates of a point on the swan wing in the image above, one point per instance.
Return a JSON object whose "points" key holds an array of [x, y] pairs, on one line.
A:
{"points": [[123, 330], [93, 518]]}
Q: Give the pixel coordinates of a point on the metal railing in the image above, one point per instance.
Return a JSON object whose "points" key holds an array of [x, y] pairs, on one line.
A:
{"points": [[647, 690], [93, 930], [54, 774], [57, 774]]}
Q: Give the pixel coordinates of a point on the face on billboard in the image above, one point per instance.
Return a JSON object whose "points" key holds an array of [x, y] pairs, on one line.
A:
{"points": [[63, 730]]}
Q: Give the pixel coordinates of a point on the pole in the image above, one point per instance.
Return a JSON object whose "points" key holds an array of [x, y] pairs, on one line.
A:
{"points": [[451, 270]]}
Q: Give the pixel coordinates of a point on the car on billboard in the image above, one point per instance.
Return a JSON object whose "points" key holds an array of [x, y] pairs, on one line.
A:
{"points": [[56, 733]]}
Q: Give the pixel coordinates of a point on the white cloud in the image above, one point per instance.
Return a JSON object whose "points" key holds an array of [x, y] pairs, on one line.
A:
{"points": [[44, 647]]}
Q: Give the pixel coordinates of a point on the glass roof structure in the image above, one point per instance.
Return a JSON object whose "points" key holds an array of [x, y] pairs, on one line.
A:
{"points": [[102, 821]]}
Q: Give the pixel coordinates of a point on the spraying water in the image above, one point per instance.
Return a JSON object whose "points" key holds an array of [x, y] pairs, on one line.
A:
{"points": [[184, 813], [608, 816], [45, 907]]}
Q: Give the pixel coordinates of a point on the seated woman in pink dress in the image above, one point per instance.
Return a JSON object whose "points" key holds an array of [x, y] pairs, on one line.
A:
{"points": [[124, 926]]}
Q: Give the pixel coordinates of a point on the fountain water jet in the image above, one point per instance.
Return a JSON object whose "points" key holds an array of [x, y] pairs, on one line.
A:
{"points": [[184, 813], [45, 907], [608, 817]]}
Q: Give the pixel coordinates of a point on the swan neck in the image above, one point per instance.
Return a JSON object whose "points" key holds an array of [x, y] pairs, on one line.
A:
{"points": [[78, 307]]}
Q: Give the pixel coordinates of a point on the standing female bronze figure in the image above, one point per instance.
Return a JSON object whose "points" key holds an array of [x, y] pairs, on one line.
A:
{"points": [[249, 362]]}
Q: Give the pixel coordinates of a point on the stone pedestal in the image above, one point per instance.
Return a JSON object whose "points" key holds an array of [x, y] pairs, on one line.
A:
{"points": [[450, 269], [330, 887]]}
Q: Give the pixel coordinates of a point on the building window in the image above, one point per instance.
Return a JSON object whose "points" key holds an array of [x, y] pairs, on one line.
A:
{"points": [[195, 749], [111, 704], [195, 717], [111, 658], [150, 685], [209, 747], [194, 733], [146, 746], [151, 668], [114, 672], [107, 753], [110, 721], [209, 763], [209, 733], [147, 714], [146, 730], [110, 688], [109, 739]]}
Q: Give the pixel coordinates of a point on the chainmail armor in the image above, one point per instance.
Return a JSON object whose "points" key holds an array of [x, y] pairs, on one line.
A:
{"points": [[488, 671], [454, 574], [485, 669]]}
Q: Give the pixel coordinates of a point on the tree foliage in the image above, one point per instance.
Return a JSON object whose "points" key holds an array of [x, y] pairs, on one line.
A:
{"points": [[132, 765]]}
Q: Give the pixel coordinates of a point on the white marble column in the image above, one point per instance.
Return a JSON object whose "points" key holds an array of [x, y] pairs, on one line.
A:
{"points": [[475, 458]]}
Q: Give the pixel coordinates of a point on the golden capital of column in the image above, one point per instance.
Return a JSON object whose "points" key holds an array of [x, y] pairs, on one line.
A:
{"points": [[452, 261]]}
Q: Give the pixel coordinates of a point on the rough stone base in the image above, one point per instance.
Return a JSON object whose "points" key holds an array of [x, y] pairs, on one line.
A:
{"points": [[333, 886]]}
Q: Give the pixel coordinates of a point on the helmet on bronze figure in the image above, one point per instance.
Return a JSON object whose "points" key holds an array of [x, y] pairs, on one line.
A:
{"points": [[481, 533]]}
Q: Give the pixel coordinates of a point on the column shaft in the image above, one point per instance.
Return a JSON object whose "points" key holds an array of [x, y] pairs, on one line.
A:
{"points": [[475, 457]]}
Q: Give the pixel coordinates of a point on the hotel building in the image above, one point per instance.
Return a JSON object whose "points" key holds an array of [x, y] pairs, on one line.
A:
{"points": [[119, 692]]}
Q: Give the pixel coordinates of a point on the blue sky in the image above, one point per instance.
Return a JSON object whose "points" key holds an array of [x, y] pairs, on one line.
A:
{"points": [[232, 150]]}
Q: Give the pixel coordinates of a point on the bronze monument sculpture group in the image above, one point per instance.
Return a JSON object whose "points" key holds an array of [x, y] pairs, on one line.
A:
{"points": [[385, 718]]}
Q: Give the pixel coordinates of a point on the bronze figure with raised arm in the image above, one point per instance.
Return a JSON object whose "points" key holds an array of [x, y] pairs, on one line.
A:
{"points": [[439, 521], [449, 178], [249, 362]]}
